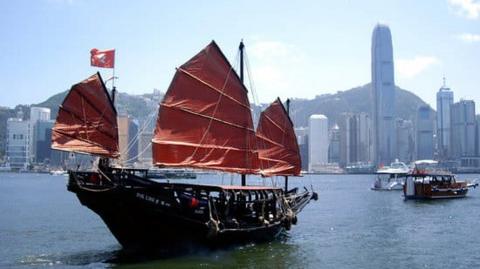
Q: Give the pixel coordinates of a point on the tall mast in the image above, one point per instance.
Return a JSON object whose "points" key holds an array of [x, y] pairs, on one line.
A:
{"points": [[288, 114], [241, 47], [114, 90], [105, 162]]}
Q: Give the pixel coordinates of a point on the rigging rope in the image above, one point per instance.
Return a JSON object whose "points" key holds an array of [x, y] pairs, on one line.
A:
{"points": [[135, 139], [256, 118], [213, 114], [139, 154]]}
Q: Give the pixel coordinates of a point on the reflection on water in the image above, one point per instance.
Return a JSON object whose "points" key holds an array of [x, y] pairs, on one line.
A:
{"points": [[279, 254], [91, 258], [350, 226]]}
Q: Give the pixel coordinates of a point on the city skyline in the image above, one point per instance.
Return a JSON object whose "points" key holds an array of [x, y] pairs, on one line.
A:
{"points": [[48, 50]]}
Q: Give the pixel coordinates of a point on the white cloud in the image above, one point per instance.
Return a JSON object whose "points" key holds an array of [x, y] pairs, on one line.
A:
{"points": [[409, 68], [468, 37], [467, 8]]}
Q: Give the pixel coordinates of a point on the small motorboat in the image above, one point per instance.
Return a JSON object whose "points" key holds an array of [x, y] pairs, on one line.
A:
{"points": [[391, 178], [427, 182]]}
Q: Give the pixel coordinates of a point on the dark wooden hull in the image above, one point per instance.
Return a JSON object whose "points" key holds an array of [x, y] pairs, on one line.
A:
{"points": [[158, 216], [432, 192]]}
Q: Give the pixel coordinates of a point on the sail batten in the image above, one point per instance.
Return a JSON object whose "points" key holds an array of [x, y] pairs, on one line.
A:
{"points": [[109, 134], [204, 120], [215, 89], [86, 121], [276, 142], [207, 117]]}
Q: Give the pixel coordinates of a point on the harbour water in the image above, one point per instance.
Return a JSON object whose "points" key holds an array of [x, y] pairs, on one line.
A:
{"points": [[350, 226]]}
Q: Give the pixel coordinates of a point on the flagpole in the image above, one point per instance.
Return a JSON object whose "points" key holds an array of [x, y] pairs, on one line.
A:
{"points": [[113, 85]]}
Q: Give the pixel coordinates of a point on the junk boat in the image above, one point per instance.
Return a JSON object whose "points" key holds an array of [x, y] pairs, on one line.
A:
{"points": [[428, 182], [204, 122], [391, 178]]}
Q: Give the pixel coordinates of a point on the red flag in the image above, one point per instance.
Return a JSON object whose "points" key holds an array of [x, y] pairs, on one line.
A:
{"points": [[102, 58]]}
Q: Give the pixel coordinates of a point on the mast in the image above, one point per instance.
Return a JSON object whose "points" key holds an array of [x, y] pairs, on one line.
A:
{"points": [[288, 114], [241, 47], [104, 162], [114, 90]]}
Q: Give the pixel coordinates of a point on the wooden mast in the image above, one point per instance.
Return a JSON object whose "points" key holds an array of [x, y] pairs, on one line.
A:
{"points": [[241, 47], [288, 114]]}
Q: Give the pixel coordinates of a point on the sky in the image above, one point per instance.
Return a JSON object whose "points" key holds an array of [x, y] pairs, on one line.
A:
{"points": [[295, 49]]}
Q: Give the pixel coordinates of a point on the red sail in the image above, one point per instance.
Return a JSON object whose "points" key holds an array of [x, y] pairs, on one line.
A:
{"points": [[87, 120], [276, 142], [204, 120]]}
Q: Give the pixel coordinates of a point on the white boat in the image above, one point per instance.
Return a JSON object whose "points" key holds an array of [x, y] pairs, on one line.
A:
{"points": [[391, 177], [5, 167], [59, 172]]}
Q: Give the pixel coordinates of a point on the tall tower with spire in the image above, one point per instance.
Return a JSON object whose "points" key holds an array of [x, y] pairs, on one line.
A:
{"points": [[444, 103], [383, 95]]}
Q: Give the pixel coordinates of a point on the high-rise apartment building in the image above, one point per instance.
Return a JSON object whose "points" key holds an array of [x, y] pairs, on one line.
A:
{"points": [[317, 141]]}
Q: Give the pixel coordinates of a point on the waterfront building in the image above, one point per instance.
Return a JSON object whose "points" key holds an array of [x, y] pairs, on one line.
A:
{"points": [[42, 138], [37, 114], [463, 129], [334, 145], [355, 138], [127, 139], [317, 142], [424, 133], [145, 149], [477, 135], [383, 94], [405, 140], [302, 139], [18, 143], [348, 139], [365, 139], [444, 103]]}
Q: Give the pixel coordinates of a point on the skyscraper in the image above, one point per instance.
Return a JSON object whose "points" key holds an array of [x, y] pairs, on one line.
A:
{"points": [[302, 139], [405, 140], [37, 114], [383, 94], [463, 128], [317, 141], [444, 103], [355, 138], [424, 128], [127, 139]]}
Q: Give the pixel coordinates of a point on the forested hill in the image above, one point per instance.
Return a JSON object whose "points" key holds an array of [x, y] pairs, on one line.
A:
{"points": [[354, 100]]}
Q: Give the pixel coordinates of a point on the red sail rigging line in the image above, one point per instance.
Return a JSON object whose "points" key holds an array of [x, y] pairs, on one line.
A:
{"points": [[204, 120], [277, 143], [87, 120]]}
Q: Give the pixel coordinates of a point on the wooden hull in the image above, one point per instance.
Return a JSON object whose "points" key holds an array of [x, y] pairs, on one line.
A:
{"points": [[160, 216], [432, 192]]}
